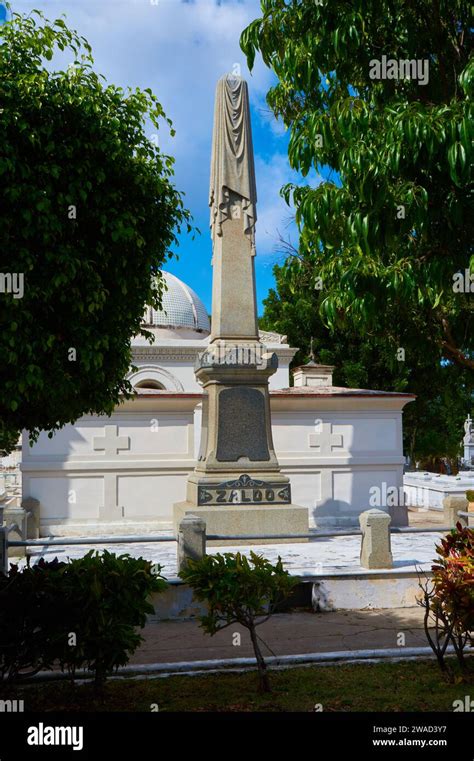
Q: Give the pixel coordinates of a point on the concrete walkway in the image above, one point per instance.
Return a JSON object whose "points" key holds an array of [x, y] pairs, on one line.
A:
{"points": [[286, 634]]}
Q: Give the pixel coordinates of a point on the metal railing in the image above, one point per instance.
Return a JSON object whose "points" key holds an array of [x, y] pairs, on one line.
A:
{"points": [[328, 534], [64, 542], [158, 538]]}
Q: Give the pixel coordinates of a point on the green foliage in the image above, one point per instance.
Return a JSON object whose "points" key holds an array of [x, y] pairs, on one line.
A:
{"points": [[112, 596], [239, 591], [30, 619], [454, 576], [470, 495], [409, 686], [389, 232], [449, 604], [432, 424], [101, 599], [89, 215]]}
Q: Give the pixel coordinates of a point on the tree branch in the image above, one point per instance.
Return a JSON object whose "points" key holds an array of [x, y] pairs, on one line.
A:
{"points": [[450, 348]]}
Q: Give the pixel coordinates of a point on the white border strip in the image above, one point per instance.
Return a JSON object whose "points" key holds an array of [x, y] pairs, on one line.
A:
{"points": [[219, 665]]}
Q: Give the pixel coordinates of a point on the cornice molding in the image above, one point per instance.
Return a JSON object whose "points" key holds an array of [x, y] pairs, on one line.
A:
{"points": [[188, 354]]}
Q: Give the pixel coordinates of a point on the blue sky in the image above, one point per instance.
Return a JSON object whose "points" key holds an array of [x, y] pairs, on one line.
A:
{"points": [[180, 48]]}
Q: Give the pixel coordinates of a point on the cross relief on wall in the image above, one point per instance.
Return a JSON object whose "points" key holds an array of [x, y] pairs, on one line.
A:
{"points": [[110, 444], [324, 439]]}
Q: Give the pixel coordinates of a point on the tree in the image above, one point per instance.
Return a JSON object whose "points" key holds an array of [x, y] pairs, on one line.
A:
{"points": [[89, 215], [380, 101], [433, 423], [239, 591]]}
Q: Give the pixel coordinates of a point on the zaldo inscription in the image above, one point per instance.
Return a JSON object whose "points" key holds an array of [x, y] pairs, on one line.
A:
{"points": [[244, 490]]}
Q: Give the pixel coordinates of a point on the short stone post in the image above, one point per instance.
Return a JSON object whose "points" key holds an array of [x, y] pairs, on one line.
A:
{"points": [[3, 488], [191, 539], [15, 516], [375, 551], [31, 505], [451, 506], [3, 550]]}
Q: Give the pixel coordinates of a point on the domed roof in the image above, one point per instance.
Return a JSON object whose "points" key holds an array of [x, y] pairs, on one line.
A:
{"points": [[181, 307]]}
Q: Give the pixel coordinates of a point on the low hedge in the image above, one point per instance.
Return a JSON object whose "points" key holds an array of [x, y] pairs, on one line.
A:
{"points": [[81, 614]]}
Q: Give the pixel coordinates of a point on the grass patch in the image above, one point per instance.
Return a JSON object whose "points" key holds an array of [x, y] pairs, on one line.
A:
{"points": [[413, 686]]}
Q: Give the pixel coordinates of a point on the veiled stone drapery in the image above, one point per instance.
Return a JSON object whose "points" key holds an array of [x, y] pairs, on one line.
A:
{"points": [[232, 164]]}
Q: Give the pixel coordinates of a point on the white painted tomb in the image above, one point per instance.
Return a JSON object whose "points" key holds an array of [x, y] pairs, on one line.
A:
{"points": [[429, 489], [425, 489], [122, 474]]}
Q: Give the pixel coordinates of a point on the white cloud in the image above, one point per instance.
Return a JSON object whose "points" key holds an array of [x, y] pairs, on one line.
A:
{"points": [[180, 50], [274, 217]]}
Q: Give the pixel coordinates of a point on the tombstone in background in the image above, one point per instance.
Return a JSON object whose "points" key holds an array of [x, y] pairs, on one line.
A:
{"points": [[3, 487], [468, 441], [237, 486]]}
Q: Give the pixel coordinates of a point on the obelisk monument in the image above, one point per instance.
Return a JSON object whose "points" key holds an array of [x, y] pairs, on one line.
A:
{"points": [[237, 486]]}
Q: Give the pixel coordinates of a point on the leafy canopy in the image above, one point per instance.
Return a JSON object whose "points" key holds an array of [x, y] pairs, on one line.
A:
{"points": [[393, 224], [433, 422], [89, 216]]}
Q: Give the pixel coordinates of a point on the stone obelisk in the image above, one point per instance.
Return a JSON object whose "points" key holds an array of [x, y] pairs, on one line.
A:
{"points": [[237, 486]]}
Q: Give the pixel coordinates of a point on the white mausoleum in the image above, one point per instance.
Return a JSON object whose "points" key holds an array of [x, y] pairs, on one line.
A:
{"points": [[339, 446]]}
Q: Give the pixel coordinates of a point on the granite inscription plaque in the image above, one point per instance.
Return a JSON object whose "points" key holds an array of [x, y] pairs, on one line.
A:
{"points": [[241, 431], [244, 490]]}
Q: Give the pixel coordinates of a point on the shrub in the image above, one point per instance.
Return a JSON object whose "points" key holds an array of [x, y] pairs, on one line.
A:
{"points": [[239, 591], [30, 614], [470, 495], [110, 596], [449, 600], [79, 614]]}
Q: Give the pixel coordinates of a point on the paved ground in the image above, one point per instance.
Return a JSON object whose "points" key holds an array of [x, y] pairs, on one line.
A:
{"points": [[295, 633], [422, 518], [318, 557], [286, 634]]}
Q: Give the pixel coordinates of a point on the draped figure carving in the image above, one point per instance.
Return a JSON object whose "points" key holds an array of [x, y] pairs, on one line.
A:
{"points": [[232, 163]]}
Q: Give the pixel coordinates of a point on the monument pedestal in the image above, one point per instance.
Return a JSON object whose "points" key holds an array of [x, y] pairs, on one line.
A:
{"points": [[243, 506], [247, 521]]}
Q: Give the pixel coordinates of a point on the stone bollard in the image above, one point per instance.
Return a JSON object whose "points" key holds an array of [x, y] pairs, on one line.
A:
{"points": [[191, 539], [32, 505], [3, 488], [17, 517], [451, 507], [375, 549], [3, 550]]}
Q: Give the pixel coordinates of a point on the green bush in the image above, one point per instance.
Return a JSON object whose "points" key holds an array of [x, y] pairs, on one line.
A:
{"points": [[239, 591], [30, 618], [81, 614], [470, 495]]}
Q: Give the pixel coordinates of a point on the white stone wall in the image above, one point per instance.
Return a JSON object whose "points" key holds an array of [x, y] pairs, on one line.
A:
{"points": [[82, 488], [336, 460], [333, 458]]}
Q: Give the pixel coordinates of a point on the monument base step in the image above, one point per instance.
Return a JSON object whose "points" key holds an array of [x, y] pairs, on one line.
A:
{"points": [[247, 521], [124, 527]]}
